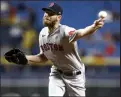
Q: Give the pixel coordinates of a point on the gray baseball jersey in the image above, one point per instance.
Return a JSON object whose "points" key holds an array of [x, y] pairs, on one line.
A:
{"points": [[57, 47]]}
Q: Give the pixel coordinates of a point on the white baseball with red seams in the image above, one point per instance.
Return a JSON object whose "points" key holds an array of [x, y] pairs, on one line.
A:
{"points": [[102, 14], [57, 47]]}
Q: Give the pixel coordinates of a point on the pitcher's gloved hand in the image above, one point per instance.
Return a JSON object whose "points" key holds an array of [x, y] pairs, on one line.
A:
{"points": [[16, 56]]}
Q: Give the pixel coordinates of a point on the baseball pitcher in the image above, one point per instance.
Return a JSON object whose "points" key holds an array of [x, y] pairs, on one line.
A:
{"points": [[57, 43]]}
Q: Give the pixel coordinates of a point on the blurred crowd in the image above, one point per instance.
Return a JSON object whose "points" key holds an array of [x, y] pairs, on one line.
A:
{"points": [[18, 31], [105, 45], [17, 27]]}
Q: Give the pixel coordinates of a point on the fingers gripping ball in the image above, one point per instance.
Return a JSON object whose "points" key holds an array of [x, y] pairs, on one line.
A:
{"points": [[16, 56]]}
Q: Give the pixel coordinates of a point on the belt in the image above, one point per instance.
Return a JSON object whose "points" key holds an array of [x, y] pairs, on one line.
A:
{"points": [[69, 73]]}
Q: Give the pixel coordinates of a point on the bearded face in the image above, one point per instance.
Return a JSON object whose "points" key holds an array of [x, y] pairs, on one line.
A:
{"points": [[49, 19]]}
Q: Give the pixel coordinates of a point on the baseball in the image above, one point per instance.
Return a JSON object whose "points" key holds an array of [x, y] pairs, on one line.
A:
{"points": [[102, 14]]}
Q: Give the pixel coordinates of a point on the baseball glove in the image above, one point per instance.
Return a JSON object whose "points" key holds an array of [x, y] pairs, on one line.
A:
{"points": [[16, 56]]}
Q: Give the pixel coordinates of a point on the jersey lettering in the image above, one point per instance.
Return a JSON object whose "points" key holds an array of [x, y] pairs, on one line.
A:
{"points": [[51, 46]]}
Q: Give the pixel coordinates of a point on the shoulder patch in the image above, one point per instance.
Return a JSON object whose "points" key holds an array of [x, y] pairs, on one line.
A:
{"points": [[71, 33]]}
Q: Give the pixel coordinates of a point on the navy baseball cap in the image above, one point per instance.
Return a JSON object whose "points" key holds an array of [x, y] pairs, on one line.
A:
{"points": [[54, 7]]}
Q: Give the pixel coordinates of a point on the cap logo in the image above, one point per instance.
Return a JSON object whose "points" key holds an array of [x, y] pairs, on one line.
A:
{"points": [[51, 4]]}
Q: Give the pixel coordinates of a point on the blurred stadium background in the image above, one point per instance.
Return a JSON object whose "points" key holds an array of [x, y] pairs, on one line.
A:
{"points": [[21, 22]]}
